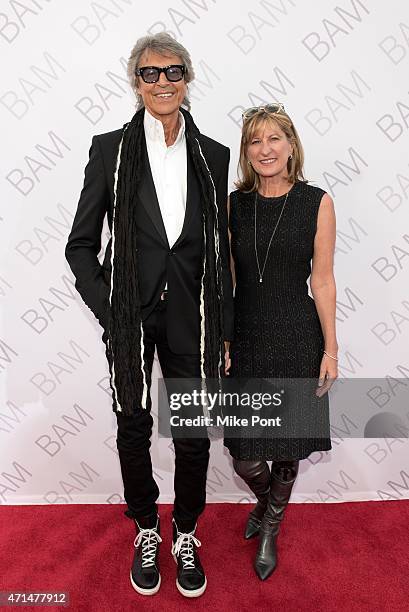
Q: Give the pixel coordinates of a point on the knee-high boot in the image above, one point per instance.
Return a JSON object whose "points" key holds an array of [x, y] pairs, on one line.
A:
{"points": [[256, 474], [283, 476]]}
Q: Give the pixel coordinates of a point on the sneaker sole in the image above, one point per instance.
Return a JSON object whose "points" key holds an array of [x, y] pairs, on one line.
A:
{"points": [[186, 592], [143, 591]]}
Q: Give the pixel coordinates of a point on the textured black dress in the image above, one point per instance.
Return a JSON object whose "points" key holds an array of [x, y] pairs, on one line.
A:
{"points": [[277, 328]]}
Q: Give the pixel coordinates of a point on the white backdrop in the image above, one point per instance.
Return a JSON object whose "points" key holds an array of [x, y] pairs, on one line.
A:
{"points": [[341, 69]]}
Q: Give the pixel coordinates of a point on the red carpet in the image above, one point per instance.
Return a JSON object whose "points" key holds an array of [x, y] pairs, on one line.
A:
{"points": [[332, 557]]}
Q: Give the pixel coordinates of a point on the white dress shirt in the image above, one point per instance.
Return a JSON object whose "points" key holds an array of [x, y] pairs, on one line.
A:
{"points": [[169, 173]]}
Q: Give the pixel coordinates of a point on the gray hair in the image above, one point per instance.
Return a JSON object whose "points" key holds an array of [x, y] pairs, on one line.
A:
{"points": [[164, 44]]}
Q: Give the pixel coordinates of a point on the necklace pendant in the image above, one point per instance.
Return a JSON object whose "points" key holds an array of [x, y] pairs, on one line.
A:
{"points": [[260, 270]]}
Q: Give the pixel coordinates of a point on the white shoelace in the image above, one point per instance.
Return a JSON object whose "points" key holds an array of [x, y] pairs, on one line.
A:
{"points": [[184, 547], [148, 539]]}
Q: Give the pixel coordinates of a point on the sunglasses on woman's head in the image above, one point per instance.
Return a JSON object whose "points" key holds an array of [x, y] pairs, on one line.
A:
{"points": [[151, 74], [270, 109]]}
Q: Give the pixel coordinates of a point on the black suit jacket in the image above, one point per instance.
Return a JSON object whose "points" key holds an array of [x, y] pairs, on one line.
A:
{"points": [[179, 266]]}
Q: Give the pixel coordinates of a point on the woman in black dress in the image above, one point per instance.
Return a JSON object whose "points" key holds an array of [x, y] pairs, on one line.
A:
{"points": [[279, 226]]}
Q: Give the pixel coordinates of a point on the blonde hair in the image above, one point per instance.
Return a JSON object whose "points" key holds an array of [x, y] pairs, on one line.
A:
{"points": [[249, 180]]}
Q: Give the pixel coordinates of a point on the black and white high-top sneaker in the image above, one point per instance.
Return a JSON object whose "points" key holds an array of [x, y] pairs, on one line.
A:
{"points": [[145, 576], [191, 580]]}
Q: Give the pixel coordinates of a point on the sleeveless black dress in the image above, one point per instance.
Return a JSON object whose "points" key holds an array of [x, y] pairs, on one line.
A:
{"points": [[277, 328]]}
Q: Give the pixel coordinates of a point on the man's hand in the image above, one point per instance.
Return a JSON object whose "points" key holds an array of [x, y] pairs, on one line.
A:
{"points": [[227, 360]]}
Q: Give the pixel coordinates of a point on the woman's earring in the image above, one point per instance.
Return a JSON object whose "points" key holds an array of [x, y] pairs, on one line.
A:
{"points": [[290, 157], [249, 162]]}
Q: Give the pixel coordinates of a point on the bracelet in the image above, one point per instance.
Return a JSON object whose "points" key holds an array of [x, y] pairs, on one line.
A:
{"points": [[328, 355]]}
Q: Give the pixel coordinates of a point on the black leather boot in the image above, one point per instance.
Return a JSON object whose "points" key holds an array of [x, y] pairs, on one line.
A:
{"points": [[191, 579], [145, 576], [283, 476], [256, 474]]}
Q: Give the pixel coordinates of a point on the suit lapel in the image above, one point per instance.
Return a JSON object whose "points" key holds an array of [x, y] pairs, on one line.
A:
{"points": [[148, 196], [192, 199]]}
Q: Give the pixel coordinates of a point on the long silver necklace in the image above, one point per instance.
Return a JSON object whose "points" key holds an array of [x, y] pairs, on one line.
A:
{"points": [[261, 272]]}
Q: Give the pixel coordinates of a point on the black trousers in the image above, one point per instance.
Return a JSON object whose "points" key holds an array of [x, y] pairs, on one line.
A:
{"points": [[134, 433]]}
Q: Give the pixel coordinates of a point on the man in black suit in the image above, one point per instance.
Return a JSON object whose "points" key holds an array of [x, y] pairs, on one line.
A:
{"points": [[165, 282]]}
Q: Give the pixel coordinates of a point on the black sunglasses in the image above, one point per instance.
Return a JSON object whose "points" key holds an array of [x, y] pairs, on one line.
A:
{"points": [[151, 74]]}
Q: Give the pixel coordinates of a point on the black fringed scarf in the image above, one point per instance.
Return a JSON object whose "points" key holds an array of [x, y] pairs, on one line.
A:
{"points": [[129, 378]]}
